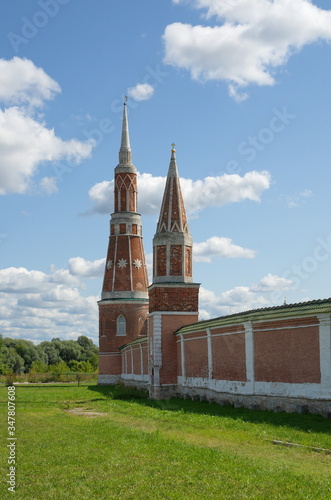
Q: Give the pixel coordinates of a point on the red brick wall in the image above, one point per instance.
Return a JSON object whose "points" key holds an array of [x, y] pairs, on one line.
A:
{"points": [[136, 360], [229, 358], [145, 358], [135, 315], [176, 260], [170, 323], [139, 274], [129, 361], [196, 357], [290, 355], [110, 364], [179, 358], [173, 299], [161, 260]]}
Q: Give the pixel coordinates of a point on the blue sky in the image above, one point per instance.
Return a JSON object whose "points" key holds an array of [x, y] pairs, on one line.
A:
{"points": [[243, 89]]}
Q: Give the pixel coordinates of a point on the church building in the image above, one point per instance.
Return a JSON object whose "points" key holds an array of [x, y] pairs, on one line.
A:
{"points": [[276, 358]]}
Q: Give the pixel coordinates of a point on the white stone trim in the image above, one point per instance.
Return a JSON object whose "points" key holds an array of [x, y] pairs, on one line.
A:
{"points": [[125, 361], [210, 354], [135, 377], [108, 379], [310, 391], [123, 297], [109, 354], [141, 360], [182, 356], [249, 351], [131, 350], [174, 313], [157, 347], [325, 352], [130, 262], [114, 270]]}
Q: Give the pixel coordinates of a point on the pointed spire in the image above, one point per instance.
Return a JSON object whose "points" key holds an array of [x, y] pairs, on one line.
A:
{"points": [[173, 170], [125, 154], [172, 215]]}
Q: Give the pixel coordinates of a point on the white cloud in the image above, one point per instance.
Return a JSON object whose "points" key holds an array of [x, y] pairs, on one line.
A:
{"points": [[208, 192], [78, 266], [21, 82], [141, 92], [41, 306], [272, 282], [48, 185], [243, 298], [220, 247], [253, 38], [25, 141], [293, 201]]}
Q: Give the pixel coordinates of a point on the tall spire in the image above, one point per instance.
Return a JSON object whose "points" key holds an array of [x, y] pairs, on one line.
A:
{"points": [[172, 216], [125, 272], [172, 242], [125, 187], [173, 297], [125, 154]]}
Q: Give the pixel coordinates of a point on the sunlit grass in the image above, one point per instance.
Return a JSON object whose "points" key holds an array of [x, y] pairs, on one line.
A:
{"points": [[141, 449]]}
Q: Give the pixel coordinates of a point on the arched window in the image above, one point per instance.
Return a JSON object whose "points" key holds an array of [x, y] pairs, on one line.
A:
{"points": [[121, 326]]}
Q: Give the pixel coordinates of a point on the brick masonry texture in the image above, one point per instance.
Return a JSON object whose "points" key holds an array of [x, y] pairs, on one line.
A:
{"points": [[176, 260], [168, 372], [173, 299], [290, 355], [135, 316], [229, 362]]}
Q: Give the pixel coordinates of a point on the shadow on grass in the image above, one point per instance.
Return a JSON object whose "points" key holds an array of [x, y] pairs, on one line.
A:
{"points": [[305, 422]]}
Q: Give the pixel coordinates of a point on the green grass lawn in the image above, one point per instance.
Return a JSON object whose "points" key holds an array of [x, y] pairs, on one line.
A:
{"points": [[84, 443]]}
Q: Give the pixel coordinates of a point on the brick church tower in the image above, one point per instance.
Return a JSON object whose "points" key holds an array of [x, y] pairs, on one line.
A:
{"points": [[173, 297], [123, 307]]}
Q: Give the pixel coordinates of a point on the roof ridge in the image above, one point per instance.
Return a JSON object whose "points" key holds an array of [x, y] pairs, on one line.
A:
{"points": [[264, 309]]}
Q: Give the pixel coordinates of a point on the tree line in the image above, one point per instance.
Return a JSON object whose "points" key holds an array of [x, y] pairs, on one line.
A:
{"points": [[55, 356]]}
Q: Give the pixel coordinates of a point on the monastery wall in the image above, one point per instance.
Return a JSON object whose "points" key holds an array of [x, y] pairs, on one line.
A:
{"points": [[277, 364], [135, 363]]}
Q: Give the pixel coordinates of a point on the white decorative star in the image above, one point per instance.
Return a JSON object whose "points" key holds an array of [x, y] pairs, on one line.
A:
{"points": [[109, 264], [122, 263], [137, 263]]}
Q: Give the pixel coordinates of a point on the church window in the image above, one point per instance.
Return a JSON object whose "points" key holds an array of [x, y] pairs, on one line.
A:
{"points": [[121, 326]]}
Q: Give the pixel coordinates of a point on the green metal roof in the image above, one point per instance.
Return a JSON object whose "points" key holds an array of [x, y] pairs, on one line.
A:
{"points": [[311, 308], [139, 340]]}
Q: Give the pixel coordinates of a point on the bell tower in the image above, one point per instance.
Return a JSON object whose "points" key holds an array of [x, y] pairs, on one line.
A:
{"points": [[123, 307], [173, 297]]}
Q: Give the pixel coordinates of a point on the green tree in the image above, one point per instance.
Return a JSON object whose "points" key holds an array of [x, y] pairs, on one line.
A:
{"points": [[71, 350], [3, 364], [81, 366], [38, 367], [60, 369], [52, 352], [89, 350], [14, 362], [28, 352]]}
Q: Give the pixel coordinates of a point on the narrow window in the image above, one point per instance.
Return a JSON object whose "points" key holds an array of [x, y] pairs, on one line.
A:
{"points": [[121, 326]]}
